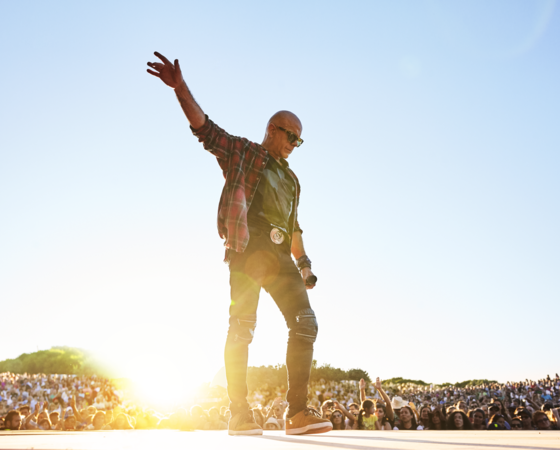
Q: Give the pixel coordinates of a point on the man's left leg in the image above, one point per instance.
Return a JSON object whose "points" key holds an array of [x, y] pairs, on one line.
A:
{"points": [[290, 294]]}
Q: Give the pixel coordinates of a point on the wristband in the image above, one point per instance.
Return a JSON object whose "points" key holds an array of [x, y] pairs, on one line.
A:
{"points": [[303, 262]]}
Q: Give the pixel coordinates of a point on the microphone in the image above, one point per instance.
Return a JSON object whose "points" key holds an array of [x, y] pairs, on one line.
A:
{"points": [[311, 280]]}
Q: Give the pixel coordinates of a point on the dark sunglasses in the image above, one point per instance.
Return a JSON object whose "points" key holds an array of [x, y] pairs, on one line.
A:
{"points": [[516, 425], [292, 138]]}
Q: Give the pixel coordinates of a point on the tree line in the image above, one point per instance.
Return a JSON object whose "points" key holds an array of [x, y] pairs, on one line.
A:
{"points": [[57, 360], [74, 361]]}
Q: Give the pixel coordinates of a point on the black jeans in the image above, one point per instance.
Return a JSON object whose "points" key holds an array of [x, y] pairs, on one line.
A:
{"points": [[268, 265]]}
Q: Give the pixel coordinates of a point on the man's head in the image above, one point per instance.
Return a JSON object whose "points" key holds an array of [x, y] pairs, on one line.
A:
{"points": [[44, 424], [272, 424], [283, 134], [54, 417], [70, 423], [516, 423], [493, 409], [98, 421], [197, 411], [541, 420], [214, 414], [13, 420], [24, 410], [354, 408]]}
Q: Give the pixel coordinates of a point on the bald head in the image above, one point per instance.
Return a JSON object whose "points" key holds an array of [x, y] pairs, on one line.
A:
{"points": [[286, 119], [279, 127]]}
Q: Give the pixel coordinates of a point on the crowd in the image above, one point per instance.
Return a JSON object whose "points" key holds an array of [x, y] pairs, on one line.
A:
{"points": [[524, 405], [63, 402]]}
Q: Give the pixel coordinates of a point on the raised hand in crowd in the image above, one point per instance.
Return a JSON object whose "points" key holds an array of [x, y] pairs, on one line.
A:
{"points": [[362, 386], [326, 409], [30, 421], [389, 409], [351, 423], [77, 414]]}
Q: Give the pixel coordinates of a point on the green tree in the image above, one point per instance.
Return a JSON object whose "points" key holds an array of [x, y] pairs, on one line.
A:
{"points": [[358, 374], [400, 380], [57, 360]]}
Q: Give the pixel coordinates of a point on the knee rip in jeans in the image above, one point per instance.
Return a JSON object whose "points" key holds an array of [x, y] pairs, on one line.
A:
{"points": [[305, 326], [242, 329]]}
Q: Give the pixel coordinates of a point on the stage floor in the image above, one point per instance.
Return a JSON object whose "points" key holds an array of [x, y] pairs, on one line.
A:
{"points": [[276, 440]]}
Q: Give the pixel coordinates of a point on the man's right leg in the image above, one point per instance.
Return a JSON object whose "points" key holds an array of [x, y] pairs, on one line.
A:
{"points": [[245, 289], [236, 357]]}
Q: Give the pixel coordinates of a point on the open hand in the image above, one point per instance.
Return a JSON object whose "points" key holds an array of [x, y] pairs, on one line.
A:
{"points": [[167, 72], [377, 383], [362, 384]]}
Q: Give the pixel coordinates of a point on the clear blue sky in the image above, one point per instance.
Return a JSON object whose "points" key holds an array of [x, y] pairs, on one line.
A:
{"points": [[429, 180]]}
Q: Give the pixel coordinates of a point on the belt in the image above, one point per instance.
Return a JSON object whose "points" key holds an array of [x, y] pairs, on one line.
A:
{"points": [[277, 235]]}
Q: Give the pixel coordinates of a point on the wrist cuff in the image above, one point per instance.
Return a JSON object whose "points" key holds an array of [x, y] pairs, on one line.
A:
{"points": [[303, 262]]}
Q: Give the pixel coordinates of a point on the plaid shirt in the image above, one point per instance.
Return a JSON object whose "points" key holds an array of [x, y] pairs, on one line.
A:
{"points": [[242, 163]]}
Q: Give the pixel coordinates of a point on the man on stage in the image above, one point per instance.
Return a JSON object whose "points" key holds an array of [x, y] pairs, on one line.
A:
{"points": [[257, 217]]}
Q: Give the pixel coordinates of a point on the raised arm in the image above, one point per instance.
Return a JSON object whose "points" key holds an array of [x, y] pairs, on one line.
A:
{"points": [[388, 407], [32, 416], [348, 414], [172, 76], [325, 407], [362, 390], [270, 412], [76, 412]]}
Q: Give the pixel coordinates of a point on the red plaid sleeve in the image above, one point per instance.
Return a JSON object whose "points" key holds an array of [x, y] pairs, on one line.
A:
{"points": [[242, 163]]}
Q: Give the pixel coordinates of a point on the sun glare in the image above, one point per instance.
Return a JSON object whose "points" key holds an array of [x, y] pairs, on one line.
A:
{"points": [[161, 381]]}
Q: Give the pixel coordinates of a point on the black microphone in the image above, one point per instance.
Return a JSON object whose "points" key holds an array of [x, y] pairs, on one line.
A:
{"points": [[311, 280]]}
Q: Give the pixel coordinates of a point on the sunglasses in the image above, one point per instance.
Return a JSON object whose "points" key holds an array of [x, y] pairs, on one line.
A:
{"points": [[516, 425], [292, 137], [336, 416]]}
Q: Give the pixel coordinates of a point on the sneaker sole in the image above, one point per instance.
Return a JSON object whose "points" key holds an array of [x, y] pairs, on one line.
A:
{"points": [[311, 429], [245, 432]]}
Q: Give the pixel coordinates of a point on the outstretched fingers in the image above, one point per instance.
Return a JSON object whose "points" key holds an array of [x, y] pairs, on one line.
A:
{"points": [[163, 58], [156, 66], [166, 71]]}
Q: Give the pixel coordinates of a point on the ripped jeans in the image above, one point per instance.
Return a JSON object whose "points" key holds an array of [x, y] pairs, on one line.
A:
{"points": [[268, 265]]}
